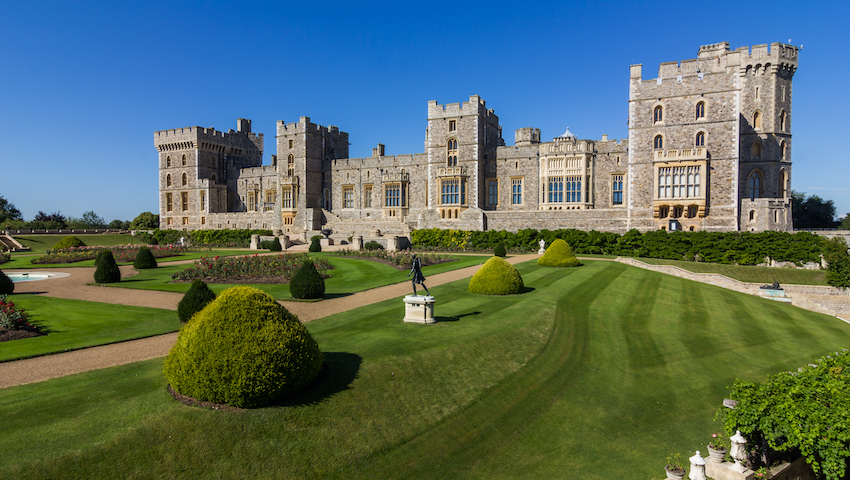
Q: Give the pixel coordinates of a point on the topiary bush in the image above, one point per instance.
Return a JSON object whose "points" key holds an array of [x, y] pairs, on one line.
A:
{"points": [[68, 242], [315, 246], [245, 350], [373, 245], [7, 286], [107, 269], [144, 259], [275, 245], [496, 277], [499, 251], [195, 299], [559, 254], [307, 282]]}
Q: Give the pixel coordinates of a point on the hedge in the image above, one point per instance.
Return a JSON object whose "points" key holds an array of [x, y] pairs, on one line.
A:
{"points": [[496, 277]]}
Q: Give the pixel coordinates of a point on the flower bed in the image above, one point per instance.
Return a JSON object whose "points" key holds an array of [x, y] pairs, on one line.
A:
{"points": [[122, 253], [400, 259], [248, 269], [13, 322]]}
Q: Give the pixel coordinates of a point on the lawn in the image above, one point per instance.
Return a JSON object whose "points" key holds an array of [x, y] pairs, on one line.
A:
{"points": [[75, 324], [22, 261], [597, 372], [748, 273], [41, 243]]}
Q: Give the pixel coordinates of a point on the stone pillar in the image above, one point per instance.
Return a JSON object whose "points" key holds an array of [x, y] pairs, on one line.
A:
{"points": [[419, 309], [357, 243], [255, 242], [392, 244]]}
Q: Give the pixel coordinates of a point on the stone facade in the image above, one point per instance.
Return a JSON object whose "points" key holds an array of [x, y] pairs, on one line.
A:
{"points": [[709, 148]]}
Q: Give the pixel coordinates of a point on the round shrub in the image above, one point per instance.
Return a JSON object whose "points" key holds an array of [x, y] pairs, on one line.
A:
{"points": [[195, 299], [496, 277], [559, 254], [68, 242], [245, 350], [107, 269], [307, 283], [373, 245], [275, 245], [144, 259], [315, 246], [499, 251], [7, 286]]}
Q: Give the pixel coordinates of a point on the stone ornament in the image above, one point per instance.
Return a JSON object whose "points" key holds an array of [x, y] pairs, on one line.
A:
{"points": [[542, 249], [738, 452], [697, 467]]}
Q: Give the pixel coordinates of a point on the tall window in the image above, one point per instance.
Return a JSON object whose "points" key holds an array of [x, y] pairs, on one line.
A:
{"points": [[658, 114], [782, 150], [290, 165], [252, 201], [679, 182], [203, 200], [658, 143], [291, 143], [617, 189], [757, 120], [452, 152], [286, 197], [516, 191], [452, 125], [184, 200], [183, 161], [754, 185], [556, 189], [755, 151], [492, 191], [700, 113], [700, 140], [395, 194], [168, 202], [168, 180], [783, 183], [367, 196], [185, 180], [450, 192], [271, 199], [348, 196], [573, 185], [168, 161], [782, 118]]}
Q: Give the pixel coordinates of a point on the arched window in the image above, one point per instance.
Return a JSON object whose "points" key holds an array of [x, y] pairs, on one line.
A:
{"points": [[451, 148], [757, 120], [290, 165], [658, 114], [782, 117], [755, 151], [214, 162], [168, 161], [185, 180], [184, 160], [752, 215], [783, 183], [700, 114], [782, 150], [168, 180], [754, 184], [700, 140], [658, 144], [213, 178]]}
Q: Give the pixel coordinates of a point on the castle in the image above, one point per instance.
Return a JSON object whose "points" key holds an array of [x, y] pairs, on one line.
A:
{"points": [[709, 148]]}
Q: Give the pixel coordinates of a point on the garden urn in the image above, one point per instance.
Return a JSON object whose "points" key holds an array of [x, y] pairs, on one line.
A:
{"points": [[697, 467], [716, 455], [677, 473], [738, 452]]}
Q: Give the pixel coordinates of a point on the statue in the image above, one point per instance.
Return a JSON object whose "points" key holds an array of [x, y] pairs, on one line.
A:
{"points": [[542, 244], [416, 270], [775, 286]]}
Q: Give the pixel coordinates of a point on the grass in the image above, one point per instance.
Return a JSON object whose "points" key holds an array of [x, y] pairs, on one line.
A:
{"points": [[598, 372], [748, 273], [22, 261], [75, 324], [41, 243]]}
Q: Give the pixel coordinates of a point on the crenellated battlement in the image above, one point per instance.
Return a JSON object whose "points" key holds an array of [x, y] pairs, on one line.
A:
{"points": [[717, 57], [475, 106]]}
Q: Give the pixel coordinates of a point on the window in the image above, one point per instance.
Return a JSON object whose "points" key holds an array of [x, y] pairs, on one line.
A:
{"points": [[573, 185], [452, 191], [286, 197], [367, 196], [452, 125], [516, 191], [185, 180], [291, 143], [213, 178], [168, 202], [290, 165], [271, 199], [782, 150], [168, 161], [185, 220], [252, 201], [700, 140], [617, 189], [203, 200], [168, 180], [183, 161], [692, 211], [663, 212], [556, 189], [758, 93], [700, 114], [214, 162], [679, 182], [168, 221], [348, 196], [203, 220], [782, 117], [757, 120], [783, 183], [395, 194], [755, 151], [658, 114], [754, 184], [752, 215], [492, 191], [452, 153], [678, 211], [184, 200], [658, 143]]}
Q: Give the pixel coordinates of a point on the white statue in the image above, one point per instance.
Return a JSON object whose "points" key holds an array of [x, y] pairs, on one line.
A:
{"points": [[542, 244], [181, 240]]}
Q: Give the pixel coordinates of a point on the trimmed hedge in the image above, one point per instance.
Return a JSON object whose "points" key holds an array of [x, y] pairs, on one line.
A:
{"points": [[307, 282], [7, 286], [68, 242], [315, 246], [559, 254], [373, 245], [245, 350], [195, 299], [107, 269], [496, 277], [275, 245], [144, 259], [499, 251], [206, 238]]}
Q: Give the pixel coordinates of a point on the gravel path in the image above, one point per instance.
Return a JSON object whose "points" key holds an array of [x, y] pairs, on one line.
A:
{"points": [[75, 287]]}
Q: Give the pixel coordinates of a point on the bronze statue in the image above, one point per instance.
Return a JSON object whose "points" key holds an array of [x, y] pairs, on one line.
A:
{"points": [[416, 270]]}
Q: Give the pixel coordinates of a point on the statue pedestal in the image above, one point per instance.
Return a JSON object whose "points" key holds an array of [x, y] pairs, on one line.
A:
{"points": [[419, 309]]}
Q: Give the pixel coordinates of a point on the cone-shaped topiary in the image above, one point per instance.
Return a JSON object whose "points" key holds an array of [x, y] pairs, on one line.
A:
{"points": [[195, 299], [68, 242], [107, 270], [244, 349], [144, 259], [307, 282], [496, 277], [315, 246], [7, 286], [499, 251], [275, 245], [559, 254]]}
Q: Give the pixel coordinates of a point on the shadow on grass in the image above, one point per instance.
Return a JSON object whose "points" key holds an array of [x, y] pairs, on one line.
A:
{"points": [[329, 296], [528, 289], [339, 370], [455, 318]]}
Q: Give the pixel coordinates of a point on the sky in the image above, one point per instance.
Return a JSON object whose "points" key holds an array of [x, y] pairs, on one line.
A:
{"points": [[85, 84]]}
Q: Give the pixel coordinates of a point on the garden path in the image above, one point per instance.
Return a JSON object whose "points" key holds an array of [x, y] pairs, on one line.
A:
{"points": [[75, 286]]}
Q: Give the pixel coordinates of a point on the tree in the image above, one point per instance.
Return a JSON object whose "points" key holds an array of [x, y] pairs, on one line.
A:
{"points": [[838, 262], [8, 211], [812, 212], [145, 221], [88, 220], [43, 221], [118, 225], [845, 223], [107, 269]]}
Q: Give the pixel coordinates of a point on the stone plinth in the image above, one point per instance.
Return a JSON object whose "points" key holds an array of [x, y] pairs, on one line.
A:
{"points": [[419, 309]]}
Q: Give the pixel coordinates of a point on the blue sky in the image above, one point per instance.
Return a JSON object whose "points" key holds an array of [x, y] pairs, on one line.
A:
{"points": [[85, 84]]}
